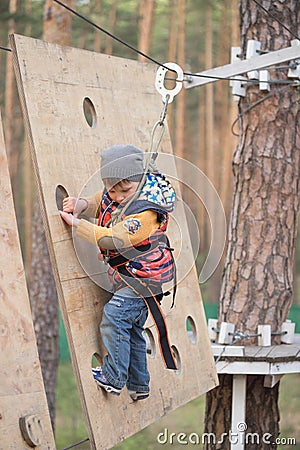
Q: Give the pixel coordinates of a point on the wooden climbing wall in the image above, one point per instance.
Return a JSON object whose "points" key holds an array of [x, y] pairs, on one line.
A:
{"points": [[22, 395], [54, 83]]}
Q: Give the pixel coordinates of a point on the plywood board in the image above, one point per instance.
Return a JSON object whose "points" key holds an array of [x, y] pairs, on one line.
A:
{"points": [[53, 83], [22, 391]]}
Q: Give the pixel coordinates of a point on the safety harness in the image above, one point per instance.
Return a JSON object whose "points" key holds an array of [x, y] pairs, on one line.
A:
{"points": [[152, 298], [129, 265]]}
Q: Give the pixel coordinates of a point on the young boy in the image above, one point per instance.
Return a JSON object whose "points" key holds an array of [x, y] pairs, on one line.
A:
{"points": [[132, 214]]}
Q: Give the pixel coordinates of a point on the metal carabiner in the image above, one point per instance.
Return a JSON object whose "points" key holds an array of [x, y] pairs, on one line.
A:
{"points": [[164, 111], [159, 139]]}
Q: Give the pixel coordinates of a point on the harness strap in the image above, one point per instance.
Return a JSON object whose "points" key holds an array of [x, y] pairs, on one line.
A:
{"points": [[127, 255], [142, 289], [132, 253]]}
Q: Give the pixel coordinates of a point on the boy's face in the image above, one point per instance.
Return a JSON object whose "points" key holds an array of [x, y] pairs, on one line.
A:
{"points": [[122, 192]]}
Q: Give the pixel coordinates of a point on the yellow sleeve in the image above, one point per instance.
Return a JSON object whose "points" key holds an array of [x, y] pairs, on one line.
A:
{"points": [[93, 204], [124, 234]]}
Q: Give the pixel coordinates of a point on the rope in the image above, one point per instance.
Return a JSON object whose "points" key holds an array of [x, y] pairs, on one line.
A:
{"points": [[271, 94], [149, 166], [248, 109]]}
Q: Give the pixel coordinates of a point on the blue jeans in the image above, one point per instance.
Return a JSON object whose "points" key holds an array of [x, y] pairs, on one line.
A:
{"points": [[121, 329]]}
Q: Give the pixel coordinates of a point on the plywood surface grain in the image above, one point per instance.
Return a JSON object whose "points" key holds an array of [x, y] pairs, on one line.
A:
{"points": [[21, 385], [53, 83]]}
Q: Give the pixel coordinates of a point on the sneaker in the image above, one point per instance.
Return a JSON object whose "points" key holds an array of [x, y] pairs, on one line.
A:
{"points": [[103, 382], [135, 395], [96, 370]]}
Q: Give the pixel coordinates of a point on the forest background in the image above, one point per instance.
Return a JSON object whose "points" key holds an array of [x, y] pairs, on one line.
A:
{"points": [[203, 124], [197, 35]]}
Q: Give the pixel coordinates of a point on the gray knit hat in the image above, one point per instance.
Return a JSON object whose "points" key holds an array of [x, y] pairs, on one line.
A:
{"points": [[122, 162]]}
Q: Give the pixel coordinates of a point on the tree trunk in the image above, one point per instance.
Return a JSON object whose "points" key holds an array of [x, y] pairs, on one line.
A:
{"points": [[224, 110], [181, 99], [201, 162], [231, 140], [172, 52], [97, 41], [146, 14], [258, 277], [223, 106], [86, 29], [28, 175], [212, 166], [57, 23], [209, 90], [13, 116], [112, 23], [42, 291], [44, 308], [4, 8]]}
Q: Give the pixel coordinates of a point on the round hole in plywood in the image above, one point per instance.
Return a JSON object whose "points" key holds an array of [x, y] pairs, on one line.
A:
{"points": [[150, 343], [191, 329], [177, 358], [60, 194], [96, 360], [89, 112]]}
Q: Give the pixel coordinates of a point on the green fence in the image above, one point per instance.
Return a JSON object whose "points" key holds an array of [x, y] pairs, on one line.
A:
{"points": [[211, 311]]}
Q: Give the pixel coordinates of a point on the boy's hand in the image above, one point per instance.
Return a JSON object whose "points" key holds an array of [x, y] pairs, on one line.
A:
{"points": [[74, 205], [69, 218]]}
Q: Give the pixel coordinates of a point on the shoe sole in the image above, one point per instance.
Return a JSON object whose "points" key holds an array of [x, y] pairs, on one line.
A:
{"points": [[136, 397], [109, 389]]}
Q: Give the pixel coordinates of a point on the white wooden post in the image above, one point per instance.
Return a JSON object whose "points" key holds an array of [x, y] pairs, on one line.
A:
{"points": [[265, 339], [238, 412], [226, 333], [289, 328], [295, 72], [264, 78], [253, 48], [212, 327]]}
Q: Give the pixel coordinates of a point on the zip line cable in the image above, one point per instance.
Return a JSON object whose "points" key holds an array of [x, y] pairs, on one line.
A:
{"points": [[121, 41], [81, 16], [5, 48], [217, 78], [131, 47], [277, 20], [126, 44]]}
